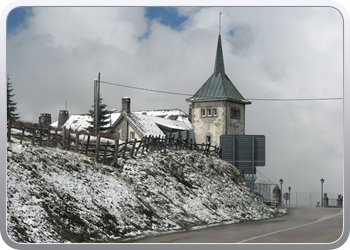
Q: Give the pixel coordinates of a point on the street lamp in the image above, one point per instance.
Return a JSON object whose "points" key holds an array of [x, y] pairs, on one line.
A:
{"points": [[289, 195], [281, 182], [322, 180]]}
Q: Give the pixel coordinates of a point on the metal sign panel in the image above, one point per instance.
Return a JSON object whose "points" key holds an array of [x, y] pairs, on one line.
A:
{"points": [[245, 152]]}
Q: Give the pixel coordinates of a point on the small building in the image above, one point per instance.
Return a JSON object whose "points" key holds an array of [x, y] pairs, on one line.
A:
{"points": [[131, 125], [217, 108], [261, 184]]}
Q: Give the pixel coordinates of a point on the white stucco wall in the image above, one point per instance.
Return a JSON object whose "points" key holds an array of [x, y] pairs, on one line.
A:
{"points": [[217, 125]]}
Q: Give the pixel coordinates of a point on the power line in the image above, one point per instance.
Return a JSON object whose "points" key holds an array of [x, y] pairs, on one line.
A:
{"points": [[250, 99], [153, 90], [297, 99]]}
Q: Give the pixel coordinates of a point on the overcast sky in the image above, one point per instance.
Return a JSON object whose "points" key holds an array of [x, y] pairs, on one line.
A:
{"points": [[55, 53]]}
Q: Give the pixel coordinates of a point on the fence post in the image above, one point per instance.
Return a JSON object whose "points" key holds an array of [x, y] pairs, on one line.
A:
{"points": [[68, 144], [56, 137], [64, 137], [34, 134], [87, 145], [147, 142], [41, 133], [76, 142], [126, 144], [207, 149], [156, 143], [165, 143], [49, 136], [151, 143], [144, 139], [23, 129], [137, 150], [172, 142], [82, 144], [133, 148], [9, 130], [115, 155], [155, 140], [104, 155], [97, 150]]}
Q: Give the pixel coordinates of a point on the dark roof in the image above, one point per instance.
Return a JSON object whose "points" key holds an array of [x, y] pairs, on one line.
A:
{"points": [[218, 86]]}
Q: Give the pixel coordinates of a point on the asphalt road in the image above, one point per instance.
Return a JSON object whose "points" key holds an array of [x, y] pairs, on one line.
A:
{"points": [[301, 225]]}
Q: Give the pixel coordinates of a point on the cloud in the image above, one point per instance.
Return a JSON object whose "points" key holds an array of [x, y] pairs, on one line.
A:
{"points": [[293, 52]]}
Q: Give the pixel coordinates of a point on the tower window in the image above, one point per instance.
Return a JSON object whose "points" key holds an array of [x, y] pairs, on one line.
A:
{"points": [[203, 112], [235, 113], [132, 135], [209, 112], [215, 112], [207, 139]]}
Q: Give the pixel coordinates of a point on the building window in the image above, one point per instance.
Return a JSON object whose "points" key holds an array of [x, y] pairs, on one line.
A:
{"points": [[118, 134], [208, 112], [207, 139], [132, 135], [215, 112], [235, 113], [203, 112]]}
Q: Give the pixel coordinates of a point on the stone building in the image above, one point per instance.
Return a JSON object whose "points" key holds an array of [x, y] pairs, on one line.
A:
{"points": [[217, 108]]}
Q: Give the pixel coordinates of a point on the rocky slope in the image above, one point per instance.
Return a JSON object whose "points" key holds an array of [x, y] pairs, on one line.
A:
{"points": [[60, 196]]}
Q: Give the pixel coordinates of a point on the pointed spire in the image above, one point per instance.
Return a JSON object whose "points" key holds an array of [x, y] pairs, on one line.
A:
{"points": [[219, 60], [220, 24], [218, 86]]}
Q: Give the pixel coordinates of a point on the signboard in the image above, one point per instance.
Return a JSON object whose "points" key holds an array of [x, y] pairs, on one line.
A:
{"points": [[286, 196], [245, 152]]}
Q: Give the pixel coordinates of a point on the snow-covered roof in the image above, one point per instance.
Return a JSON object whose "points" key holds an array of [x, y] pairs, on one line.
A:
{"points": [[145, 121], [81, 122], [144, 124], [78, 122], [165, 113]]}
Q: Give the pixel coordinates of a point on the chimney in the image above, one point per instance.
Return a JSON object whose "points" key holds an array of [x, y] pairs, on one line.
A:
{"points": [[126, 105], [190, 113], [63, 117], [45, 119]]}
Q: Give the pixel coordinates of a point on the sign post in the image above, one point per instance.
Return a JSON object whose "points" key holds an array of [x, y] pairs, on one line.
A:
{"points": [[286, 197]]}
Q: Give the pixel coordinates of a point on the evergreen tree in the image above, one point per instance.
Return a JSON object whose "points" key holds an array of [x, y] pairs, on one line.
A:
{"points": [[103, 118], [11, 105]]}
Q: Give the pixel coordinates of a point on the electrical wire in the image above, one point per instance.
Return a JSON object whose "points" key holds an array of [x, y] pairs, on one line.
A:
{"points": [[249, 99]]}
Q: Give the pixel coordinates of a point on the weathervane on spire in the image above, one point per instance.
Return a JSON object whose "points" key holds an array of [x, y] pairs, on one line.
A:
{"points": [[220, 23]]}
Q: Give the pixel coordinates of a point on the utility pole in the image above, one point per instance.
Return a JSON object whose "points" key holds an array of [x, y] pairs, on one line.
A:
{"points": [[96, 102]]}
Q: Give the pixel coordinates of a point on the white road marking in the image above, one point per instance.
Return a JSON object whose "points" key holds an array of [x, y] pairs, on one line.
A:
{"points": [[291, 228]]}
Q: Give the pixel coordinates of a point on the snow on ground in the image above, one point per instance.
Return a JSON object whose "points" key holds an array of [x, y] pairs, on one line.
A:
{"points": [[59, 196]]}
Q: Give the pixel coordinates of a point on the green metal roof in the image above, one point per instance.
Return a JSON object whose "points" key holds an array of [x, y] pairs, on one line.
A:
{"points": [[218, 86]]}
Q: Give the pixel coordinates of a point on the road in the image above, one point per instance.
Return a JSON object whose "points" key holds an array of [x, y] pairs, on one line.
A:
{"points": [[301, 225]]}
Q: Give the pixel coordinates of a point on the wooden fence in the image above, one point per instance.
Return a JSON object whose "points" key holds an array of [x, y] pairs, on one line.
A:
{"points": [[102, 149]]}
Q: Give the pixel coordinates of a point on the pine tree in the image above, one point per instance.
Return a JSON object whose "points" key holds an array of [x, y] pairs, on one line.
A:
{"points": [[11, 105], [103, 118]]}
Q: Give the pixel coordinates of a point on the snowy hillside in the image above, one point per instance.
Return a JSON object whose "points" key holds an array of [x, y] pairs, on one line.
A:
{"points": [[60, 196]]}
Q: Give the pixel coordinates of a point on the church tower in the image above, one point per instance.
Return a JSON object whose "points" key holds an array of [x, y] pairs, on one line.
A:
{"points": [[217, 108]]}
